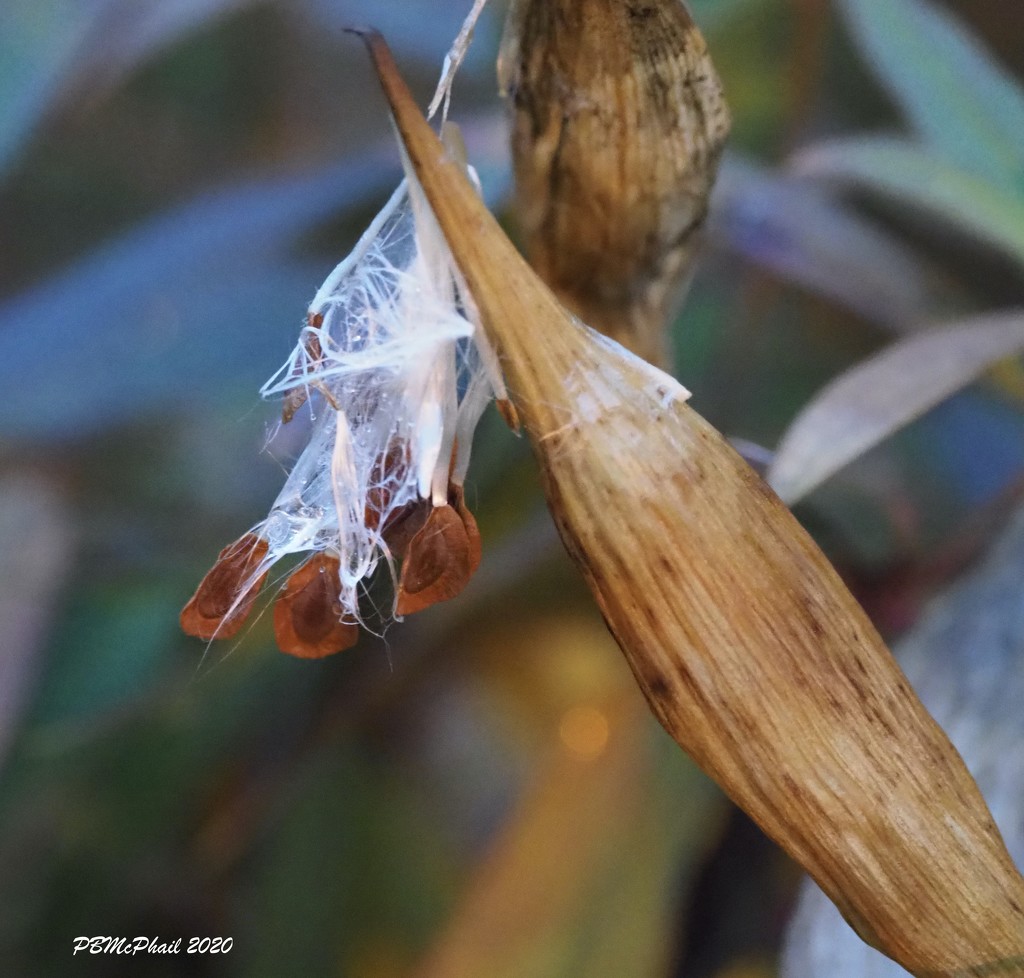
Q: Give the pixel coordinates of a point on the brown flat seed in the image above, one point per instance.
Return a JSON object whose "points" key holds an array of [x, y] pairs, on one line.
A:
{"points": [[308, 617], [293, 400], [403, 525], [222, 601], [437, 566]]}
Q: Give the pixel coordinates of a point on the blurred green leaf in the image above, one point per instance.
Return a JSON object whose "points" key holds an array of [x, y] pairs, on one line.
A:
{"points": [[298, 912], [362, 903], [746, 57], [910, 176], [108, 651], [36, 547], [112, 823], [602, 906], [815, 241], [714, 15], [964, 104]]}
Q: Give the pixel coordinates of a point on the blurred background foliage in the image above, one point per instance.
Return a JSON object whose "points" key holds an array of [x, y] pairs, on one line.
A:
{"points": [[482, 793]]}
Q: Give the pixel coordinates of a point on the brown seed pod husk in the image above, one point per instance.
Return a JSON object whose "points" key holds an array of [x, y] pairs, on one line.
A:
{"points": [[308, 618], [225, 596], [747, 645], [618, 124], [438, 563]]}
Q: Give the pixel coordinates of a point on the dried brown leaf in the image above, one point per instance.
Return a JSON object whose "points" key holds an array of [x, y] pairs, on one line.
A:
{"points": [[874, 399], [965, 657]]}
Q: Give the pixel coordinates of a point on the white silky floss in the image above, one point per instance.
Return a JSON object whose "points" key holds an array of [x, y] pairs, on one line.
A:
{"points": [[395, 348]]}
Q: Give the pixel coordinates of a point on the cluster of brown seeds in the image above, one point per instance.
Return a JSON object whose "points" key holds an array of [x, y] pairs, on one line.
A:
{"points": [[438, 545]]}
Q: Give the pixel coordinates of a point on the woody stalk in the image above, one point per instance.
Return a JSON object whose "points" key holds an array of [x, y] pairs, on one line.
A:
{"points": [[748, 647]]}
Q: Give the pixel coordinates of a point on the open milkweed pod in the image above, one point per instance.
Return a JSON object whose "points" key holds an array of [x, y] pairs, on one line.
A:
{"points": [[400, 373], [748, 647], [618, 123]]}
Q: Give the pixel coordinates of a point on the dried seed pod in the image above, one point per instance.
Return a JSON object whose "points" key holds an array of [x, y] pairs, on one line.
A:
{"points": [[308, 617], [747, 645], [225, 596], [618, 124], [438, 564]]}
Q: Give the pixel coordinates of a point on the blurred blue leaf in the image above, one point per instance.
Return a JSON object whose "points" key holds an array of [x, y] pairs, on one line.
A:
{"points": [[195, 303], [909, 175], [955, 95], [369, 898], [975, 446], [812, 240], [196, 300]]}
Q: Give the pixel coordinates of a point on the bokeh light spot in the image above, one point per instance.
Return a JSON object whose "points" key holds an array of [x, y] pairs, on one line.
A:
{"points": [[584, 731]]}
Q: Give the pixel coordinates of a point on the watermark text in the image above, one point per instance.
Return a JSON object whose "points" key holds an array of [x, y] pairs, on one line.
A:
{"points": [[152, 945]]}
